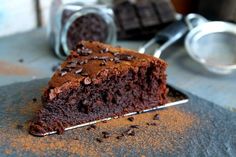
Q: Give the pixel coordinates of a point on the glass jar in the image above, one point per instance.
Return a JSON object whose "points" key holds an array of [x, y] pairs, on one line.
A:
{"points": [[71, 21]]}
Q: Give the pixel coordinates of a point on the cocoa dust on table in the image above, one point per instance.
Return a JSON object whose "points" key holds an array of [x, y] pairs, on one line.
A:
{"points": [[168, 135], [9, 69]]}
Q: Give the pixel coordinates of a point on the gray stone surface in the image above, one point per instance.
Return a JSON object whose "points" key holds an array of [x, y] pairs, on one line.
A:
{"points": [[214, 136]]}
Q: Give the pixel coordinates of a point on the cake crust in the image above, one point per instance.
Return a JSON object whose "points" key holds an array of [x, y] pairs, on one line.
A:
{"points": [[94, 68]]}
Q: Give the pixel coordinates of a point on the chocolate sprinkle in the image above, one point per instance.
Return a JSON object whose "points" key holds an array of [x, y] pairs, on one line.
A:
{"points": [[119, 137], [153, 124], [156, 117], [131, 119], [106, 134], [134, 126], [130, 132], [99, 140], [34, 99], [65, 69], [91, 127]]}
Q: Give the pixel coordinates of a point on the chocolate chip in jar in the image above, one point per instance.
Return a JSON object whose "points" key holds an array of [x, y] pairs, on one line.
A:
{"points": [[69, 25]]}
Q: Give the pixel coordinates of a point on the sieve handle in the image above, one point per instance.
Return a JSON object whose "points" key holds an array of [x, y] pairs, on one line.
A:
{"points": [[170, 35], [173, 31], [193, 20]]}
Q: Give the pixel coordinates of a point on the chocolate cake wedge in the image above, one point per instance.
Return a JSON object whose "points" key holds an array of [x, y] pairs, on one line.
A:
{"points": [[98, 81]]}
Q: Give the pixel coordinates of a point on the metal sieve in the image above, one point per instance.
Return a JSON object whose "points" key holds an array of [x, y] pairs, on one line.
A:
{"points": [[213, 44]]}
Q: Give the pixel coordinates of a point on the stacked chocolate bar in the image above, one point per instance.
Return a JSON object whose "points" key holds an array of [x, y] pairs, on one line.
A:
{"points": [[141, 19]]}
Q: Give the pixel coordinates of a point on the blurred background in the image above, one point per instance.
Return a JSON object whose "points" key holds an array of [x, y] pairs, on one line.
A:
{"points": [[35, 13]]}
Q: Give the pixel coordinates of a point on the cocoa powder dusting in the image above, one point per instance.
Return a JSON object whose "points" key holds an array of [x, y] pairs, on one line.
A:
{"points": [[167, 135], [10, 69]]}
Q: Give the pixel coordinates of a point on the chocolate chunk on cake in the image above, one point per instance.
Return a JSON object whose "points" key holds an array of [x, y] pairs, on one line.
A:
{"points": [[99, 81]]}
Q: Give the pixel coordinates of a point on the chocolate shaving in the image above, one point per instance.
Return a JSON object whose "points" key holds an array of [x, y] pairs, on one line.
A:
{"points": [[111, 59], [85, 61], [80, 46], [152, 124], [91, 127], [99, 140], [87, 80], [106, 134], [79, 71], [84, 51], [131, 119], [71, 65], [104, 50], [125, 57], [156, 117], [84, 74], [103, 58], [134, 126], [94, 57], [116, 60], [129, 132], [119, 137], [103, 63], [63, 73], [116, 53]]}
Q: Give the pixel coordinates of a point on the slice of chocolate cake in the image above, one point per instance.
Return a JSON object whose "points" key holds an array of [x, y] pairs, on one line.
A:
{"points": [[99, 81]]}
